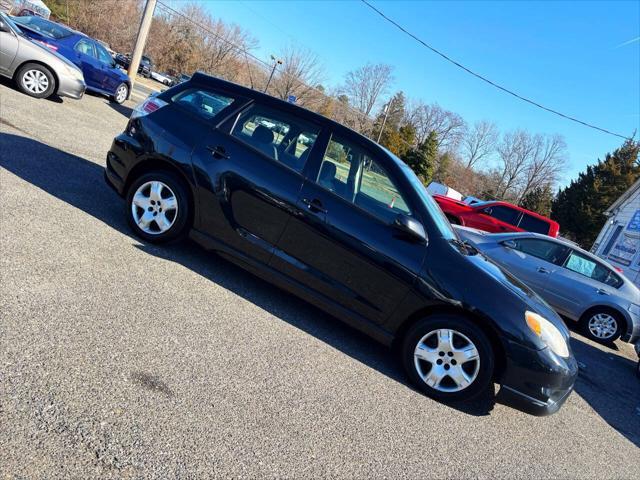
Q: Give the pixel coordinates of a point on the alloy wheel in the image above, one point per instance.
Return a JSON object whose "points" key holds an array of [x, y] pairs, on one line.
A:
{"points": [[447, 360], [154, 207], [35, 81], [121, 93], [603, 326]]}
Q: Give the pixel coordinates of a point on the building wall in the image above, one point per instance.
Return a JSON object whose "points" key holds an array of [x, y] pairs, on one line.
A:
{"points": [[623, 251]]}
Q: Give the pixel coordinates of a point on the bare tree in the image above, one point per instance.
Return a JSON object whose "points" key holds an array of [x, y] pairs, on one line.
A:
{"points": [[300, 75], [547, 163], [364, 87], [478, 143], [449, 126]]}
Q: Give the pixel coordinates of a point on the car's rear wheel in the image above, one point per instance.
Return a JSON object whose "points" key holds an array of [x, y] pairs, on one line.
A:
{"points": [[448, 358], [602, 325], [36, 80], [158, 207], [122, 92]]}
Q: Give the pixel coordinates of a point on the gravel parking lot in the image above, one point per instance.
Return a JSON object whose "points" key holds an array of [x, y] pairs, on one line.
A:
{"points": [[125, 360]]}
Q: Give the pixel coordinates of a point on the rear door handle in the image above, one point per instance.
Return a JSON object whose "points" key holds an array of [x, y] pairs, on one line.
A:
{"points": [[543, 270], [602, 292], [314, 205], [218, 151]]}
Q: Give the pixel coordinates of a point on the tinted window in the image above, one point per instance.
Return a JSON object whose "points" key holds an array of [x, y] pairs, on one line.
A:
{"points": [[533, 224], [349, 171], [203, 103], [550, 251], [504, 214], [584, 265], [86, 47], [45, 27], [103, 55], [278, 135]]}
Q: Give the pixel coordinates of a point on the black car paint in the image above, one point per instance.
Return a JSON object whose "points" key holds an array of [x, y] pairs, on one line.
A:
{"points": [[250, 209]]}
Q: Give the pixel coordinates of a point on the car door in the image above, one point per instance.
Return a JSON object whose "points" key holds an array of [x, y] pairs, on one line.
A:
{"points": [[248, 181], [8, 48], [109, 80], [532, 260], [341, 242], [579, 282], [494, 218], [86, 58]]}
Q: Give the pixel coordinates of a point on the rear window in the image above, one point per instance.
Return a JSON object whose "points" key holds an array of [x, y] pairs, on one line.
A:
{"points": [[533, 224], [203, 103], [44, 27]]}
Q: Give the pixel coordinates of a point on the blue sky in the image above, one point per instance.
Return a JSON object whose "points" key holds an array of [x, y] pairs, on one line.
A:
{"points": [[566, 55]]}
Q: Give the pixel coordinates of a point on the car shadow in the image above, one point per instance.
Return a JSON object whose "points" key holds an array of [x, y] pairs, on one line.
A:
{"points": [[8, 82], [607, 382], [79, 182], [121, 109]]}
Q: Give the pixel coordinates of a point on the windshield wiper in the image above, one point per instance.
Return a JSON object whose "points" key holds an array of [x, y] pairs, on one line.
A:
{"points": [[466, 246]]}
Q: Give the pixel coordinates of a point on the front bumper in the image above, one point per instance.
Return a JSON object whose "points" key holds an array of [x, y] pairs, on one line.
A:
{"points": [[536, 381], [632, 335], [71, 87]]}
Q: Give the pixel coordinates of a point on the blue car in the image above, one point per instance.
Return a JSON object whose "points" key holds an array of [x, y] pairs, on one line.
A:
{"points": [[100, 71]]}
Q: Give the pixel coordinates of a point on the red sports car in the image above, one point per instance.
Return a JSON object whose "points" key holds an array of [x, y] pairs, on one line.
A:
{"points": [[496, 217]]}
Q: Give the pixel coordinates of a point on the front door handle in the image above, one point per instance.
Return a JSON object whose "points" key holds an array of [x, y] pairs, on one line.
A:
{"points": [[218, 151], [602, 292], [543, 270], [314, 205]]}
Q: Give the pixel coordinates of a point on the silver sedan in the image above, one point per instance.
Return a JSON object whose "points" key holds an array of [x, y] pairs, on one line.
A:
{"points": [[37, 71], [577, 284]]}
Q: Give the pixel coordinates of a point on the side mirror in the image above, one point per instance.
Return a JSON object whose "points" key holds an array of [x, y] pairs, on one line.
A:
{"points": [[509, 244], [3, 27], [410, 227]]}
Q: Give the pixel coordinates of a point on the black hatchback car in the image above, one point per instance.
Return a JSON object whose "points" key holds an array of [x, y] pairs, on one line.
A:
{"points": [[338, 220]]}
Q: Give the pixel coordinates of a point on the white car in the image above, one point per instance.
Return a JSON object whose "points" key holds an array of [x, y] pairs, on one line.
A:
{"points": [[162, 78]]}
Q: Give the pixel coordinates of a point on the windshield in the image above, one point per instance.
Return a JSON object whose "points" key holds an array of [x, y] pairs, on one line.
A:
{"points": [[441, 222], [44, 27]]}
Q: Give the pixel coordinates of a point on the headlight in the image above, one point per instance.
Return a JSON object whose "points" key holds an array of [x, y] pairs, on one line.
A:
{"points": [[635, 309], [548, 333]]}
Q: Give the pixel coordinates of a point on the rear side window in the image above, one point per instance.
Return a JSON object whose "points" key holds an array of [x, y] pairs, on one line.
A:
{"points": [[504, 214], [280, 136], [549, 251], [350, 172], [533, 224], [579, 263], [85, 47], [203, 103]]}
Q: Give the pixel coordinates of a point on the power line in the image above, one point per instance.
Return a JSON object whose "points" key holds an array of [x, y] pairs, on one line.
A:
{"points": [[477, 75]]}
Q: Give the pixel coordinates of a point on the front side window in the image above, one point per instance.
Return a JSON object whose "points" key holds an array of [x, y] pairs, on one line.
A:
{"points": [[549, 251], [350, 172], [280, 136], [579, 263], [504, 214], [203, 103], [85, 47], [103, 55], [533, 224]]}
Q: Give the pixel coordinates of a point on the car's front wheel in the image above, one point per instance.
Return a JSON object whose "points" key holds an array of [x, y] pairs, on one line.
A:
{"points": [[36, 80], [158, 207], [602, 325], [448, 358], [122, 92]]}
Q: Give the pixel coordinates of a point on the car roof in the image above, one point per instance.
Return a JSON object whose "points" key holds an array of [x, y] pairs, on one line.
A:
{"points": [[211, 81]]}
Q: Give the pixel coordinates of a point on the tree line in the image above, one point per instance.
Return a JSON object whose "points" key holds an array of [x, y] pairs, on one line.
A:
{"points": [[439, 145]]}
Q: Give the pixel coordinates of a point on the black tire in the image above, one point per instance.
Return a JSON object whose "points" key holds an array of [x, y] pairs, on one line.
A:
{"points": [[586, 330], [179, 221], [118, 97], [483, 378], [23, 85]]}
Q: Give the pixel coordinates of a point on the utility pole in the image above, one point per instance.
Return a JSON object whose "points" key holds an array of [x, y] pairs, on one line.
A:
{"points": [[138, 50], [276, 62], [387, 107]]}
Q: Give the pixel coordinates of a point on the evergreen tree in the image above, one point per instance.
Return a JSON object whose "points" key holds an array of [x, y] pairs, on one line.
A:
{"points": [[442, 168], [422, 158], [538, 200], [579, 207]]}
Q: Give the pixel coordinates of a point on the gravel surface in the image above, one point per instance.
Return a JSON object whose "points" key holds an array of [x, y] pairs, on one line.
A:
{"points": [[125, 360]]}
